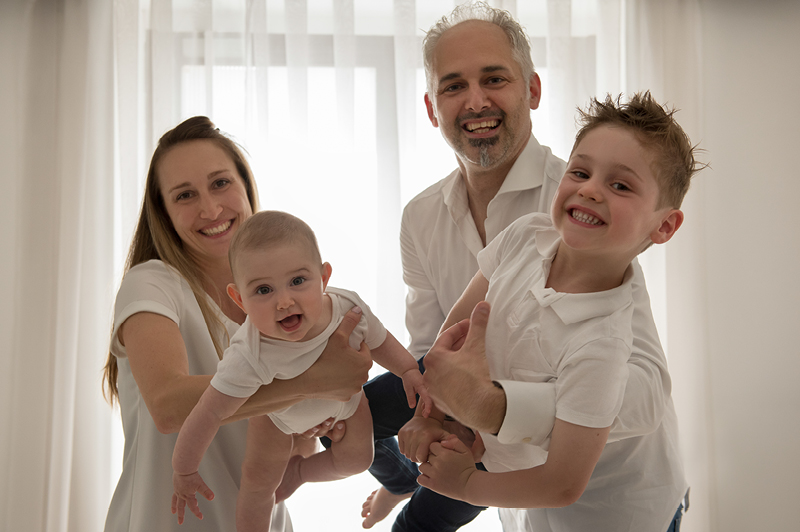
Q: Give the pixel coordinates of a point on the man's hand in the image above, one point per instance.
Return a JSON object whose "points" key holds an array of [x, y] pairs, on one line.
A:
{"points": [[416, 436], [450, 465], [340, 370], [457, 374]]}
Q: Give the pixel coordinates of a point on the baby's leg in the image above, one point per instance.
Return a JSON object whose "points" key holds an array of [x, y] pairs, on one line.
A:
{"points": [[350, 456], [267, 452]]}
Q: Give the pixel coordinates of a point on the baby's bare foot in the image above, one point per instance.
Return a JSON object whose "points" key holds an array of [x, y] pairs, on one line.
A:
{"points": [[378, 505], [291, 479]]}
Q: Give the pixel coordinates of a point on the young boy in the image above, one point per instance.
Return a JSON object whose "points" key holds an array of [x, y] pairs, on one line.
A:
{"points": [[280, 282], [560, 291]]}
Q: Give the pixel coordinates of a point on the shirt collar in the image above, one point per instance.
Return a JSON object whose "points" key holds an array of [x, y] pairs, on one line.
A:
{"points": [[574, 308]]}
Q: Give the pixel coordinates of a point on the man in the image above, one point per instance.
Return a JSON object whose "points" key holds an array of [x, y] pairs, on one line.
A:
{"points": [[481, 88]]}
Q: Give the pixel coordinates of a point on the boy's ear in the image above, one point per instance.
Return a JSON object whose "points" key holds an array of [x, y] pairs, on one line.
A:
{"points": [[234, 294], [326, 274], [671, 222]]}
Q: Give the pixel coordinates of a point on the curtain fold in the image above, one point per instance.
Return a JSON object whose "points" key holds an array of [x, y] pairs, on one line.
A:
{"points": [[56, 438]]}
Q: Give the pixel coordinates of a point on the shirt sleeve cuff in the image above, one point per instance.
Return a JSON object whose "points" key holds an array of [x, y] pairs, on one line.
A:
{"points": [[530, 413]]}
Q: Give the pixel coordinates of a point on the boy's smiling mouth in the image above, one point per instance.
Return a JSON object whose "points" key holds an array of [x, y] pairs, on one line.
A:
{"points": [[584, 217]]}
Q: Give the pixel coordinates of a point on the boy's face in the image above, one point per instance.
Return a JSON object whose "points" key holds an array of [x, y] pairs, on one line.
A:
{"points": [[606, 201], [281, 289]]}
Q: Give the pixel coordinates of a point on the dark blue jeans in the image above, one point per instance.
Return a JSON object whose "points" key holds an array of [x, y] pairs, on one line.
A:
{"points": [[426, 510]]}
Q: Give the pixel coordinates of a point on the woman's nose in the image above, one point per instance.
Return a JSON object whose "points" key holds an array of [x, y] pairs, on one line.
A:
{"points": [[210, 208]]}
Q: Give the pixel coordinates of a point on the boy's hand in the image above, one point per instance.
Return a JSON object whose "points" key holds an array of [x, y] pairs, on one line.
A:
{"points": [[185, 488], [416, 436], [414, 385], [449, 467]]}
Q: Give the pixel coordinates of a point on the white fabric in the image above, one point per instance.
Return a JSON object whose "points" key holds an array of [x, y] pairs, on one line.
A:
{"points": [[253, 360], [582, 343], [579, 341], [141, 502]]}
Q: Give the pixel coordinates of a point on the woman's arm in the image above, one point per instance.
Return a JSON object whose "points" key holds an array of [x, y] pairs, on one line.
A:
{"points": [[160, 365]]}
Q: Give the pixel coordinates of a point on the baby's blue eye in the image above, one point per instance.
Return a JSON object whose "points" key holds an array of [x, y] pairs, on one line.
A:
{"points": [[298, 281], [263, 290]]}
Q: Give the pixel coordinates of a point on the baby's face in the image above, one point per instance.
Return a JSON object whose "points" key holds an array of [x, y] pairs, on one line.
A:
{"points": [[606, 201], [282, 289]]}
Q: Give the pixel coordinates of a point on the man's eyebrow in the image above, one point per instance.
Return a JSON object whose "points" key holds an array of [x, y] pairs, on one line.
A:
{"points": [[485, 70]]}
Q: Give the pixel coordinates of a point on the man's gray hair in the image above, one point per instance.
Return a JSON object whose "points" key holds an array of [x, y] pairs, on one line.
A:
{"points": [[520, 46]]}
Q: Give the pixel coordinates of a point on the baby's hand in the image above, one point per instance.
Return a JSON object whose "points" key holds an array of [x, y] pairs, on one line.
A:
{"points": [[414, 385], [448, 469], [185, 488]]}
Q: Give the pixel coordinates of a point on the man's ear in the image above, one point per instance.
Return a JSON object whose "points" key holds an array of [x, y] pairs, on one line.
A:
{"points": [[670, 223], [535, 88], [326, 274], [234, 294], [431, 111]]}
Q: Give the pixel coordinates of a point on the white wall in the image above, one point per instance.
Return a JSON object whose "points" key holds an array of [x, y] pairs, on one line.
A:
{"points": [[737, 352]]}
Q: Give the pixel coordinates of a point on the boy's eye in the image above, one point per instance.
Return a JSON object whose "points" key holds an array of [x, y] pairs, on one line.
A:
{"points": [[580, 175], [619, 186], [263, 290], [298, 281]]}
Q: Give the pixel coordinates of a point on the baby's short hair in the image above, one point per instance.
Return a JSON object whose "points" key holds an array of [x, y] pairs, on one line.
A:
{"points": [[656, 128], [270, 228]]}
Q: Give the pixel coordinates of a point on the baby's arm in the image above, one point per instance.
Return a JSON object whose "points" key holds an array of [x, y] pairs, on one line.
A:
{"points": [[194, 438], [394, 357], [574, 452]]}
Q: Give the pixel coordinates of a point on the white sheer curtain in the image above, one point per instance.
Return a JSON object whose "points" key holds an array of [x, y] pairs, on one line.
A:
{"points": [[326, 96]]}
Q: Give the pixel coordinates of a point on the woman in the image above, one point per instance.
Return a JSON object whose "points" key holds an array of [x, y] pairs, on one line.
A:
{"points": [[172, 321]]}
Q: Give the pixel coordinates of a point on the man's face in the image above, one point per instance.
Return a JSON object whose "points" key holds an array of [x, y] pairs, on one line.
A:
{"points": [[480, 99]]}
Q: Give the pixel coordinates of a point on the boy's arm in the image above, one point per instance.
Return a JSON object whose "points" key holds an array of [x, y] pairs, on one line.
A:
{"points": [[200, 428], [574, 452], [474, 293]]}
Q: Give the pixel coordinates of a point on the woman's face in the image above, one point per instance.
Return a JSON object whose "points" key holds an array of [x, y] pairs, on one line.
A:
{"points": [[204, 196]]}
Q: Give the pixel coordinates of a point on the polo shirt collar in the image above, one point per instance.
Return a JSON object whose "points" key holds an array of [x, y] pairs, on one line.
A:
{"points": [[574, 308]]}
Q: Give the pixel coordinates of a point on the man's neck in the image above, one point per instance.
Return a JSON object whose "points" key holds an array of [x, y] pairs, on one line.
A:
{"points": [[482, 186]]}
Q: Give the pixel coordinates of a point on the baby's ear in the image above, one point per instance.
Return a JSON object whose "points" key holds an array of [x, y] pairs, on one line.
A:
{"points": [[670, 223], [326, 274], [234, 294]]}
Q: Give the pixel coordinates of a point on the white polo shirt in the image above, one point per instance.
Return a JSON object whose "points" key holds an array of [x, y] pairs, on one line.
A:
{"points": [[581, 342]]}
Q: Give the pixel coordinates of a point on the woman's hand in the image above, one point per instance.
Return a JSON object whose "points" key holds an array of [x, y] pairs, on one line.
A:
{"points": [[340, 370], [327, 428]]}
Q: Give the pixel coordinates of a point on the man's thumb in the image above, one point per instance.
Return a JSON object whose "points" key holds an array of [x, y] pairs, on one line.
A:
{"points": [[477, 324]]}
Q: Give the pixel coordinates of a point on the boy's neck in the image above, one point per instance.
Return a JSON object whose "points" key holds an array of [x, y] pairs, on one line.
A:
{"points": [[573, 272]]}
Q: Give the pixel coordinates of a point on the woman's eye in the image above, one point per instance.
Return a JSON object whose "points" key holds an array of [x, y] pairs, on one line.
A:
{"points": [[298, 281], [263, 290], [220, 183], [183, 196]]}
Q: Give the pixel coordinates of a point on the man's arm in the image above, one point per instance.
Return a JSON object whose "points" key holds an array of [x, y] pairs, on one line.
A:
{"points": [[424, 315]]}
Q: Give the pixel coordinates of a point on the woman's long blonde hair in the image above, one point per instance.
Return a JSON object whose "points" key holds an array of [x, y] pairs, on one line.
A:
{"points": [[156, 238]]}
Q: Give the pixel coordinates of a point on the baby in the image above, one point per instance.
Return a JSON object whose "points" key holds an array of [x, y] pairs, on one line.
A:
{"points": [[281, 283]]}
